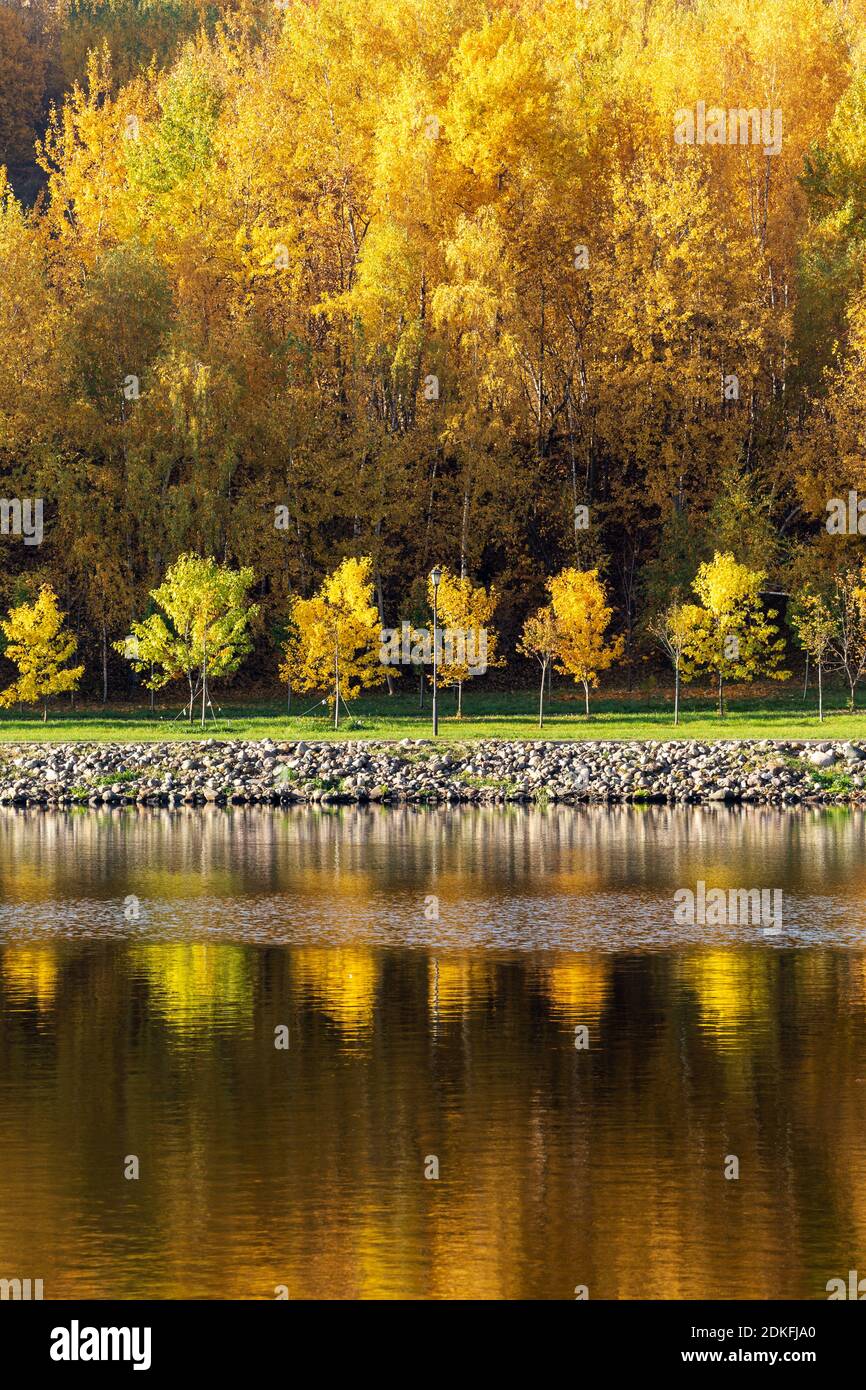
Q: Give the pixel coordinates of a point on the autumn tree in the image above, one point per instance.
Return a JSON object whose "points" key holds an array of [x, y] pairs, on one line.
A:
{"points": [[465, 610], [202, 632], [38, 645], [395, 282], [120, 319], [22, 84], [733, 634], [31, 317], [582, 615], [816, 626], [849, 637], [540, 639], [334, 637], [674, 630]]}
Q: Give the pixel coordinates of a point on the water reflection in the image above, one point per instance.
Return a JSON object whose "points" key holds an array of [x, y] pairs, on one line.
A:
{"points": [[410, 1037], [583, 879]]}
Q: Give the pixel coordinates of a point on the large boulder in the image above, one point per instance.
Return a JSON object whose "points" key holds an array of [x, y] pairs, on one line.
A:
{"points": [[823, 758]]}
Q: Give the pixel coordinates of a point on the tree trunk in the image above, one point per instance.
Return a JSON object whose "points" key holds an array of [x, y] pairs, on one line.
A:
{"points": [[541, 698], [389, 679], [421, 690], [806, 683], [677, 693], [104, 663], [541, 377], [459, 699], [820, 694], [464, 525], [336, 688], [721, 704], [203, 685], [586, 696], [45, 712]]}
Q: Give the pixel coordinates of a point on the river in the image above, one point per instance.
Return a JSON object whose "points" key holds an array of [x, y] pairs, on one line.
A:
{"points": [[424, 1053]]}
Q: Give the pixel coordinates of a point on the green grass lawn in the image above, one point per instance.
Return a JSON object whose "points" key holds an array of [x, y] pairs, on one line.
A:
{"points": [[776, 713]]}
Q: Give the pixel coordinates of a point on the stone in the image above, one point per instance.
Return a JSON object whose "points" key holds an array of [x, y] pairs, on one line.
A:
{"points": [[418, 771], [823, 758]]}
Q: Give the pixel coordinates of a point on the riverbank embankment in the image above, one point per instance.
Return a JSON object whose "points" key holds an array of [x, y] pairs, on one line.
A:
{"points": [[264, 772]]}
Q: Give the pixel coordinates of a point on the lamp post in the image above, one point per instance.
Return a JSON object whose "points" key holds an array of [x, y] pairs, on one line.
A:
{"points": [[435, 576]]}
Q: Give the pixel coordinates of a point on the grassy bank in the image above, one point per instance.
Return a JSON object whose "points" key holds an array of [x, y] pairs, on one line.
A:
{"points": [[777, 714]]}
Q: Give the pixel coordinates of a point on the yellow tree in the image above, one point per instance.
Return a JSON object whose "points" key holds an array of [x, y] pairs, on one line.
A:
{"points": [[849, 639], [37, 644], [816, 627], [540, 639], [30, 318], [465, 611], [583, 615], [673, 629], [22, 85], [410, 285], [733, 634], [335, 636]]}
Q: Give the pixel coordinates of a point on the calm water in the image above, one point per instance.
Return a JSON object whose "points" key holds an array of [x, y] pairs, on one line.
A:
{"points": [[146, 960]]}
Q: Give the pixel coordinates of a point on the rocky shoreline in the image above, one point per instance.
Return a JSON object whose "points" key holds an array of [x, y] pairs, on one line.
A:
{"points": [[227, 773]]}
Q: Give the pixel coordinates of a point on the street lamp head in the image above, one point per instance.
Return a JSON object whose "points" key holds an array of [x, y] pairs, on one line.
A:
{"points": [[435, 576]]}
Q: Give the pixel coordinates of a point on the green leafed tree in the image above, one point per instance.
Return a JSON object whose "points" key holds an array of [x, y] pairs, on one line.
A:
{"points": [[180, 142], [733, 634], [816, 626], [202, 631], [849, 637]]}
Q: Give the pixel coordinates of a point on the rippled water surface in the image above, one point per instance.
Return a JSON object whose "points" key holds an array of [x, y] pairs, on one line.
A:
{"points": [[431, 968]]}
